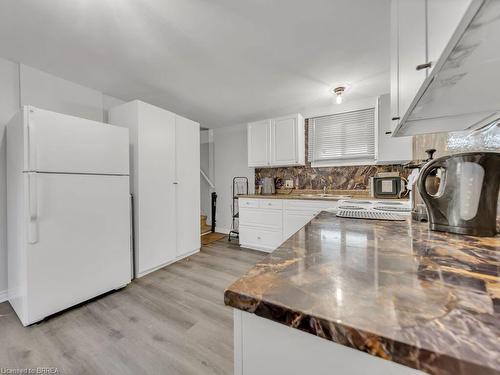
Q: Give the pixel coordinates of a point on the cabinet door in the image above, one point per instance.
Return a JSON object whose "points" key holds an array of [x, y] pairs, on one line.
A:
{"points": [[411, 20], [187, 160], [394, 76], [443, 17], [284, 141], [390, 149], [154, 191], [258, 143]]}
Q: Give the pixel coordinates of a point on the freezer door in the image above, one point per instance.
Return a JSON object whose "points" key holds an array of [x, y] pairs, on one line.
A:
{"points": [[66, 144], [78, 237]]}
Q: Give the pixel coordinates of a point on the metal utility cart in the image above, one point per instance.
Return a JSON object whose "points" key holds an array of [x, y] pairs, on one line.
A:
{"points": [[240, 187]]}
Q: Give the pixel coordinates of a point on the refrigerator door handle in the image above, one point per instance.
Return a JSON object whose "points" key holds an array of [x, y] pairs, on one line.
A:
{"points": [[31, 146], [32, 209]]}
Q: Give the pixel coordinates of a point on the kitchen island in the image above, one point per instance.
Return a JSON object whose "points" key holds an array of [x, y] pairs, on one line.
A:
{"points": [[370, 297]]}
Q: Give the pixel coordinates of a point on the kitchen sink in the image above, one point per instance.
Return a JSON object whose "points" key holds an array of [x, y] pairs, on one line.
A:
{"points": [[325, 196]]}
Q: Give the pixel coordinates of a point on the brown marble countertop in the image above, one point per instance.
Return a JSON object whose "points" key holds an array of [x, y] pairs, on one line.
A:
{"points": [[424, 299], [319, 195]]}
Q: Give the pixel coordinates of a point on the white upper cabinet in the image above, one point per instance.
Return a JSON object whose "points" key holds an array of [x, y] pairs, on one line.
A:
{"points": [[259, 138], [390, 149], [443, 17], [287, 140], [277, 142], [408, 41], [461, 67]]}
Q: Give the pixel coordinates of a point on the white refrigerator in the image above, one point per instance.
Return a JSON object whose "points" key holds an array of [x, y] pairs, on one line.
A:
{"points": [[68, 211]]}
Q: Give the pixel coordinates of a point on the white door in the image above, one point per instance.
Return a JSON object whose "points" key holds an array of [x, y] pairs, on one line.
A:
{"points": [[412, 50], [187, 157], [258, 143], [155, 224], [78, 239], [284, 141], [62, 143]]}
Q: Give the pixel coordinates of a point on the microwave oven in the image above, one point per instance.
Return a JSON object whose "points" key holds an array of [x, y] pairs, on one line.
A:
{"points": [[387, 187]]}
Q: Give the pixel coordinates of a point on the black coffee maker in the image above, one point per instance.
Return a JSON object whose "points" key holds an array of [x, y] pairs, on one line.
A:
{"points": [[465, 198]]}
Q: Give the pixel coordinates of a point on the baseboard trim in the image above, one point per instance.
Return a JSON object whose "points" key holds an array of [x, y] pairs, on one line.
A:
{"points": [[144, 273], [222, 230], [4, 296], [250, 246]]}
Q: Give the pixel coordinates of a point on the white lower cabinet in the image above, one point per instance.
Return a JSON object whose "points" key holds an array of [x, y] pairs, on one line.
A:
{"points": [[266, 223], [260, 238], [295, 220]]}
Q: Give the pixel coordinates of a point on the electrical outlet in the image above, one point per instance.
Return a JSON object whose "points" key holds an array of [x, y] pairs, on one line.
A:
{"points": [[289, 184]]}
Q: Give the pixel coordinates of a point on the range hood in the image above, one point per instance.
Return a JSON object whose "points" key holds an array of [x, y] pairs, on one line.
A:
{"points": [[463, 90]]}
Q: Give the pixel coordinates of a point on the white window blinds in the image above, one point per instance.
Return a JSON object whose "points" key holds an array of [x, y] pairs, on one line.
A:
{"points": [[342, 137]]}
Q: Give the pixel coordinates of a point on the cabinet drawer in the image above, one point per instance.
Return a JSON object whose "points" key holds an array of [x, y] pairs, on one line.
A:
{"points": [[276, 204], [272, 219], [259, 238], [249, 203], [309, 206]]}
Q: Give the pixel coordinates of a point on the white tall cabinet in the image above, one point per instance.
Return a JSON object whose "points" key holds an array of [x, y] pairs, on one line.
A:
{"points": [[165, 163]]}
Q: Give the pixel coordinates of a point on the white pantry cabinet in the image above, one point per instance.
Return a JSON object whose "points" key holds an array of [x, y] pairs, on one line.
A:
{"points": [[165, 183], [266, 223], [277, 142]]}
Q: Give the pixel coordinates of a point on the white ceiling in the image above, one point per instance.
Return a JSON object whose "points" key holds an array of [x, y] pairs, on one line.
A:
{"points": [[220, 62]]}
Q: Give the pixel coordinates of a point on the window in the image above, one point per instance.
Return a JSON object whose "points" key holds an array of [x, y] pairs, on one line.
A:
{"points": [[342, 139]]}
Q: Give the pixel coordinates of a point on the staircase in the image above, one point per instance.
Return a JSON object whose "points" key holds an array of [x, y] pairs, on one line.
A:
{"points": [[204, 228]]}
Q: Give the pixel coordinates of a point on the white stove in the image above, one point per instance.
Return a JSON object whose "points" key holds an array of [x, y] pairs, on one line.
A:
{"points": [[374, 210]]}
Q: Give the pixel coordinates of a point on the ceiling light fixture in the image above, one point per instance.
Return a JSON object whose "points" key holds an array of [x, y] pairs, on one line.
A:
{"points": [[338, 91]]}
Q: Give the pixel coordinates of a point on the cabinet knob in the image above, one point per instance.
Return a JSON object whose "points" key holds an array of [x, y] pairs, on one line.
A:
{"points": [[424, 66], [258, 237], [388, 132], [176, 183], [396, 118]]}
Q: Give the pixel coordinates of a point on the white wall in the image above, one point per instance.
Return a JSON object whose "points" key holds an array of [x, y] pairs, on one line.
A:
{"points": [[43, 90], [21, 84], [230, 160]]}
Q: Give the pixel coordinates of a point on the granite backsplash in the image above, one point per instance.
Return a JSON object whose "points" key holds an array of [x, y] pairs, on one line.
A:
{"points": [[333, 178]]}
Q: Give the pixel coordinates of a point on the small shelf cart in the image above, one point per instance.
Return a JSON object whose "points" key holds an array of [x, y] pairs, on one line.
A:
{"points": [[240, 187]]}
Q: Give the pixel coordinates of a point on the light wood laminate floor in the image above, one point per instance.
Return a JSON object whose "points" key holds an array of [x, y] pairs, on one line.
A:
{"points": [[172, 321]]}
